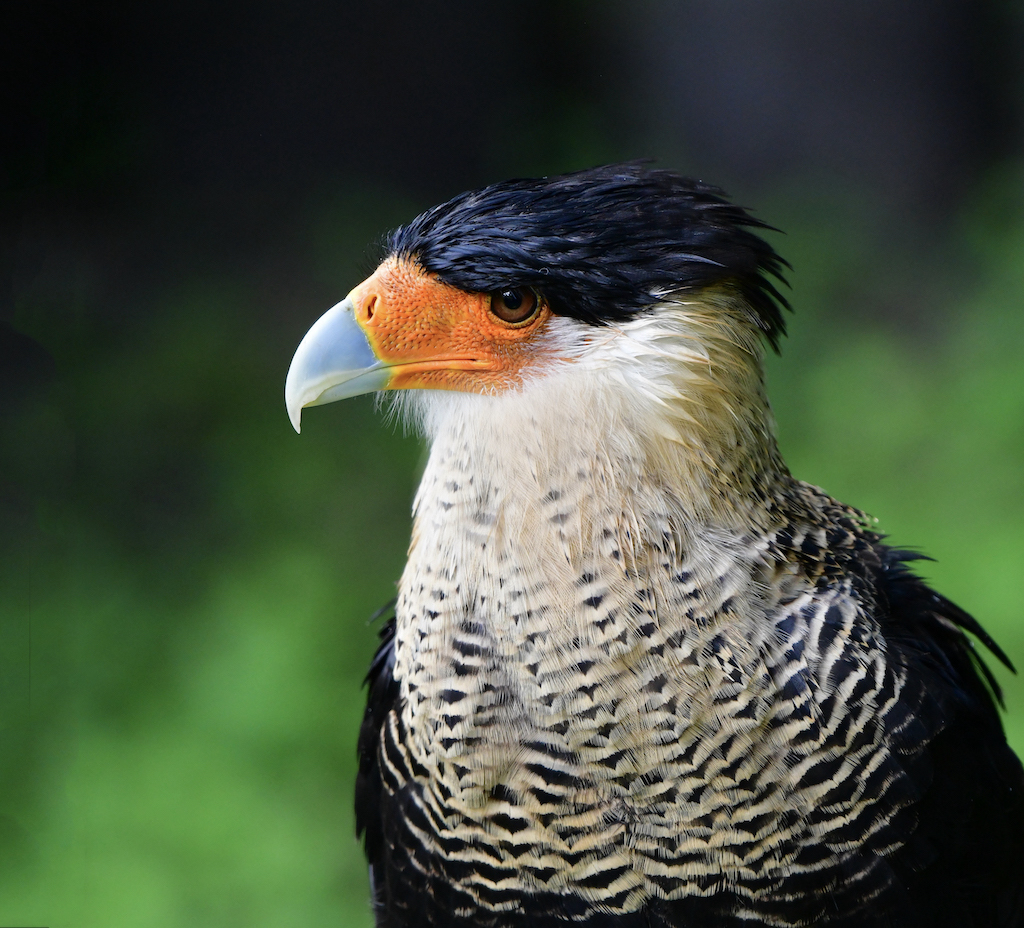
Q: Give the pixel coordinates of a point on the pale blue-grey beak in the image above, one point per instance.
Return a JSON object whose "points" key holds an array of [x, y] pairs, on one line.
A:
{"points": [[334, 361]]}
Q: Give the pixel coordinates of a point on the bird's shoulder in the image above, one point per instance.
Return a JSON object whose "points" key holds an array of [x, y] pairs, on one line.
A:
{"points": [[960, 856], [963, 863]]}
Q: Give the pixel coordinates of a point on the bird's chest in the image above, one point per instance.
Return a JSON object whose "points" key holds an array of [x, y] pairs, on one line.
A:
{"points": [[534, 640], [569, 688], [518, 678]]}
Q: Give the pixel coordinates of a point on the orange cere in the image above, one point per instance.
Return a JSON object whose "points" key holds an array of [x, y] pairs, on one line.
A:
{"points": [[440, 337]]}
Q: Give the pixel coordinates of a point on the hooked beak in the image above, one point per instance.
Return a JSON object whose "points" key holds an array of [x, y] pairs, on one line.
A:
{"points": [[334, 361]]}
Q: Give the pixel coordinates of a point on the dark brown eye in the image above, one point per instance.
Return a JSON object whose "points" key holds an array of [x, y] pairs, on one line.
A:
{"points": [[514, 305]]}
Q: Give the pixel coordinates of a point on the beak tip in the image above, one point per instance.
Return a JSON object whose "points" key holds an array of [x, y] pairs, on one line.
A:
{"points": [[292, 405], [294, 410]]}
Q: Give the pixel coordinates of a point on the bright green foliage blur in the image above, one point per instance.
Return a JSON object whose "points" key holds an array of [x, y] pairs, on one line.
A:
{"points": [[181, 667]]}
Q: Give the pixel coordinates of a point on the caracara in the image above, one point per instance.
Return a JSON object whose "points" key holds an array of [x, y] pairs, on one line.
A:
{"points": [[638, 674]]}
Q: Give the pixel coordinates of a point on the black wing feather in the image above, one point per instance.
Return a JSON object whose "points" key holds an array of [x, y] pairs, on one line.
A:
{"points": [[963, 865], [383, 693]]}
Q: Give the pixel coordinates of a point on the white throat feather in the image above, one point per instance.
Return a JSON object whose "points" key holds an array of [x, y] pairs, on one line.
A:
{"points": [[672, 399]]}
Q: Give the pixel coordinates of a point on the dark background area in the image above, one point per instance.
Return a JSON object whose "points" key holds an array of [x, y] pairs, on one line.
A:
{"points": [[184, 583]]}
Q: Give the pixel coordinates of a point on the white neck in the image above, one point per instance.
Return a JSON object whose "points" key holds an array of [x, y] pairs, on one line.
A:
{"points": [[663, 416]]}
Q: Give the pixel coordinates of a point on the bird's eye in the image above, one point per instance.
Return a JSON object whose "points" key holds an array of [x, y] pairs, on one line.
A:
{"points": [[514, 305]]}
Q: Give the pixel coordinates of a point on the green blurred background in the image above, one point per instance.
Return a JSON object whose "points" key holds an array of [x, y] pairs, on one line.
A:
{"points": [[185, 583]]}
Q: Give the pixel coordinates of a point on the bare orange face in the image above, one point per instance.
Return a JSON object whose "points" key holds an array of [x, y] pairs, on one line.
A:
{"points": [[432, 335], [402, 328]]}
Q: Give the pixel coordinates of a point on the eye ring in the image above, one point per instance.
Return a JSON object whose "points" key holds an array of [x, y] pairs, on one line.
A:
{"points": [[515, 305]]}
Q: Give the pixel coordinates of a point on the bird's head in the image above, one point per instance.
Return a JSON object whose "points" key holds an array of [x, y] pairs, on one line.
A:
{"points": [[651, 277]]}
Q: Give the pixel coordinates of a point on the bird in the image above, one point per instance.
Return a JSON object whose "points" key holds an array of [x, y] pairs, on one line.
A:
{"points": [[637, 675]]}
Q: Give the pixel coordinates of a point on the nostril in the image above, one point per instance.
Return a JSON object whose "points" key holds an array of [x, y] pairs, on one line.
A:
{"points": [[371, 307]]}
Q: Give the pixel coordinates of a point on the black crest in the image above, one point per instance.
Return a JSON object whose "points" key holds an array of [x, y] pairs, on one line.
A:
{"points": [[601, 245]]}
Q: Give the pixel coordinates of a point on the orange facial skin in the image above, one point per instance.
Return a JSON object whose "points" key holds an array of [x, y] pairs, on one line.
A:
{"points": [[439, 337]]}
